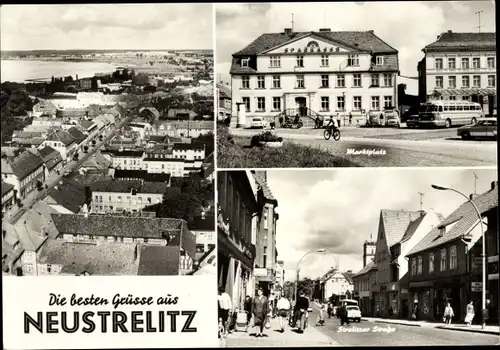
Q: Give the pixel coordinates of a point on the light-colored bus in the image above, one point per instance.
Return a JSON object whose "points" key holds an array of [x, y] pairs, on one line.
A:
{"points": [[449, 113]]}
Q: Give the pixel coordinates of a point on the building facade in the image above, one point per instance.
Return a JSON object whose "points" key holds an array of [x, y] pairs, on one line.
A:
{"points": [[460, 66], [8, 198], [314, 73], [24, 171], [204, 229], [363, 282], [280, 274]]}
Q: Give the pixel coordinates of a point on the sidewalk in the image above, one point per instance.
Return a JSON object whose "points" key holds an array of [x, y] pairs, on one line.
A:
{"points": [[273, 338], [438, 325]]}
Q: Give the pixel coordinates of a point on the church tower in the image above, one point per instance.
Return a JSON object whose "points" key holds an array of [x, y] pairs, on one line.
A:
{"points": [[368, 251]]}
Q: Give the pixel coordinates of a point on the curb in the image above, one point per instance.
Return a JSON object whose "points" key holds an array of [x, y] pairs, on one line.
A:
{"points": [[468, 330]]}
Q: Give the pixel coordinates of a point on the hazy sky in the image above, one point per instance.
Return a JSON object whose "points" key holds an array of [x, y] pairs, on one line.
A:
{"points": [[104, 26], [406, 26], [338, 209]]}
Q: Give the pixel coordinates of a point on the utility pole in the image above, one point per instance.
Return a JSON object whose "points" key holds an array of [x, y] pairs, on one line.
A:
{"points": [[475, 182], [478, 13], [292, 23], [421, 200]]}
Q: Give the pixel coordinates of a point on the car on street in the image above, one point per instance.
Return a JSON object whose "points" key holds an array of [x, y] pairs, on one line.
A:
{"points": [[349, 313], [484, 128], [391, 116], [258, 122]]}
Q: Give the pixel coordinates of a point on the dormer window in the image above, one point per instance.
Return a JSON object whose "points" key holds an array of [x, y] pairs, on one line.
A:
{"points": [[245, 62], [381, 60], [442, 231]]}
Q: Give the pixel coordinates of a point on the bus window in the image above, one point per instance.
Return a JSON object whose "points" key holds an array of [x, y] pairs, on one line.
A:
{"points": [[466, 108], [446, 108], [460, 108], [440, 108], [452, 108], [478, 108]]}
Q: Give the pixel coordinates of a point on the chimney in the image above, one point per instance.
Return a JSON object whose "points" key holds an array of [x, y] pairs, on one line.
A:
{"points": [[449, 32], [203, 215], [494, 184], [77, 77], [288, 31], [136, 252], [325, 30]]}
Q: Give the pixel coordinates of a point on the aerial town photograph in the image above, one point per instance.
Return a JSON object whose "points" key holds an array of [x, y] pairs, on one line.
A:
{"points": [[356, 84], [107, 140], [316, 257]]}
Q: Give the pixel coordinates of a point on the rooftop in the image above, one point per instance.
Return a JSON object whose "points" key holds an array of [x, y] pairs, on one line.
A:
{"points": [[450, 41], [260, 178], [367, 268], [50, 156], [77, 134], [22, 165], [62, 136], [125, 186], [396, 222], [70, 195], [6, 187], [159, 261]]}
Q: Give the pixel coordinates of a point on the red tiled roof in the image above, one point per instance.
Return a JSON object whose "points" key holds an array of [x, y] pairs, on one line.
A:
{"points": [[450, 41], [395, 224], [465, 219]]}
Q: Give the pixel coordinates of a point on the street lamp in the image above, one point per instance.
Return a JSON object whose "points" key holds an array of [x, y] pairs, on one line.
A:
{"points": [[441, 188], [297, 281]]}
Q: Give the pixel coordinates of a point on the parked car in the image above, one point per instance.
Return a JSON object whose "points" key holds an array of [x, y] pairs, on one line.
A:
{"points": [[391, 117], [484, 128], [348, 313], [258, 122]]}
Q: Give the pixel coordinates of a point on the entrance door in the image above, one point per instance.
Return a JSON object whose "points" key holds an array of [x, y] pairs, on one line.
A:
{"points": [[404, 310], [300, 103]]}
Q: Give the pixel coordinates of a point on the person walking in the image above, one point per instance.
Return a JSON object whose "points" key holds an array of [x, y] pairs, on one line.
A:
{"points": [[469, 315], [225, 306], [350, 119], [338, 120], [301, 311], [260, 310], [247, 306], [283, 306], [448, 313], [321, 314]]}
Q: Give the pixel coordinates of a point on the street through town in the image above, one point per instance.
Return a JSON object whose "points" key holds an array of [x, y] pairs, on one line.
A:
{"points": [[383, 334]]}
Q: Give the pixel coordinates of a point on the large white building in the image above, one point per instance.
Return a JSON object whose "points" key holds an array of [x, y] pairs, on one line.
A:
{"points": [[311, 73], [460, 66]]}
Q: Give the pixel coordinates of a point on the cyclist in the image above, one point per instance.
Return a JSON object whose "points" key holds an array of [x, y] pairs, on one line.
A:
{"points": [[331, 124]]}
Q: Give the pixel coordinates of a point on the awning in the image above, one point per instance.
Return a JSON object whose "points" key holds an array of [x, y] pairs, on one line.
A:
{"points": [[464, 92], [425, 284]]}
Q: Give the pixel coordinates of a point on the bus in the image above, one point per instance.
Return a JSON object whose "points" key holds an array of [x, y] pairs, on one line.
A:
{"points": [[449, 113]]}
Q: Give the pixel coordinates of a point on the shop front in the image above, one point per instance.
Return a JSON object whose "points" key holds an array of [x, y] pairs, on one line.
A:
{"points": [[421, 303], [453, 291], [493, 296]]}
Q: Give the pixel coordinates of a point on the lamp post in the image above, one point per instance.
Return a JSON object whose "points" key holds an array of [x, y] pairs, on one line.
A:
{"points": [[483, 308], [298, 264]]}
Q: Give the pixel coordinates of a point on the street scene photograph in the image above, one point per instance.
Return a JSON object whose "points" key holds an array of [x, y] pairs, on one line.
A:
{"points": [[357, 257], [356, 84], [107, 140]]}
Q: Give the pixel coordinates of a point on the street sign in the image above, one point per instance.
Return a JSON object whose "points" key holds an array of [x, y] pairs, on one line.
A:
{"points": [[476, 286]]}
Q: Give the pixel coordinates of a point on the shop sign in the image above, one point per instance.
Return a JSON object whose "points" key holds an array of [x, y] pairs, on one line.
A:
{"points": [[477, 263], [260, 272], [476, 286]]}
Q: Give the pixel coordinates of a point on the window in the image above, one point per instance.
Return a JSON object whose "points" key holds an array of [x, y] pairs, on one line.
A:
{"points": [[491, 81], [341, 80], [452, 98], [439, 82], [264, 257], [265, 221], [375, 103], [261, 104], [276, 82], [452, 82], [356, 80], [357, 103], [465, 98], [438, 63], [275, 61], [325, 81], [261, 83], [375, 80], [325, 103], [476, 62], [443, 260], [453, 257], [340, 103], [431, 262], [381, 60], [277, 103], [387, 80], [413, 266], [387, 101], [476, 81], [353, 61], [300, 82], [451, 63], [245, 62], [119, 198], [300, 61], [245, 82], [491, 62], [49, 268], [246, 101], [465, 63], [419, 266], [465, 81], [324, 61]]}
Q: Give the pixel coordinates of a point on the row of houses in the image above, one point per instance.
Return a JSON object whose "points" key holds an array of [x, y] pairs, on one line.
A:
{"points": [[422, 260]]}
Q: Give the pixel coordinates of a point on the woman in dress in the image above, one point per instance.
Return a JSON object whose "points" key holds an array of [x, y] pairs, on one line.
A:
{"points": [[448, 313], [469, 316], [260, 310]]}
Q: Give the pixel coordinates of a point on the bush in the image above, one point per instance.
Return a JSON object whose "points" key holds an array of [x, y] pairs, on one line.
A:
{"points": [[266, 136]]}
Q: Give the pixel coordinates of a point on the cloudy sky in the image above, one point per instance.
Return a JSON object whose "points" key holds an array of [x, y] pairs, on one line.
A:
{"points": [[338, 209], [406, 26], [120, 26]]}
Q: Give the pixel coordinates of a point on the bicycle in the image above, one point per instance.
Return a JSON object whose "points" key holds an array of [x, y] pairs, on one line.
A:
{"points": [[332, 131]]}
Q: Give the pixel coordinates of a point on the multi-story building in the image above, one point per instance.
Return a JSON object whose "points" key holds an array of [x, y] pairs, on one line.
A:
{"points": [[104, 229], [363, 282], [24, 171], [445, 266], [460, 66], [369, 251], [8, 198], [224, 107], [238, 206], [335, 285], [204, 229], [267, 254], [28, 139], [183, 128], [314, 73], [63, 142], [280, 274], [51, 158]]}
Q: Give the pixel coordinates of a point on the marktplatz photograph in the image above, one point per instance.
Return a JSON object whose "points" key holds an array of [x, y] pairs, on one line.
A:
{"points": [[356, 84], [107, 140], [353, 257]]}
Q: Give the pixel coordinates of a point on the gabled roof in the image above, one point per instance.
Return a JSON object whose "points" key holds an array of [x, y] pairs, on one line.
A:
{"points": [[224, 91], [159, 261], [450, 41], [412, 227], [50, 156], [369, 267], [464, 219], [38, 218], [6, 187], [77, 134], [22, 165], [395, 224], [88, 124], [70, 195], [97, 161], [348, 276], [29, 239], [266, 190], [62, 136]]}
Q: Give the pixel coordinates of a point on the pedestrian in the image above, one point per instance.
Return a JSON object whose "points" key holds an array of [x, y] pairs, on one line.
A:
{"points": [[469, 316], [221, 335], [247, 306], [302, 305], [225, 306], [283, 306], [350, 118], [321, 316], [330, 309], [338, 120], [260, 310], [448, 313]]}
